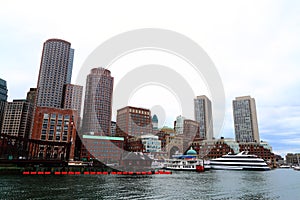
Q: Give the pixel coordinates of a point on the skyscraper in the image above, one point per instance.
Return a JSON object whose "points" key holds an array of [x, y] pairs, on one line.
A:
{"points": [[98, 102], [3, 99], [203, 115], [155, 123], [245, 119], [55, 71], [18, 118], [72, 98], [178, 125], [70, 65], [190, 132]]}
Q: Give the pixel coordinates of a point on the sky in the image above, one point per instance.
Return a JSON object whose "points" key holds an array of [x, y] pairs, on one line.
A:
{"points": [[253, 44]]}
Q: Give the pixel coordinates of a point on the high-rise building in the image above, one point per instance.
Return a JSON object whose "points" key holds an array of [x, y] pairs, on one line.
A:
{"points": [[17, 118], [203, 115], [98, 103], [133, 121], [55, 70], [245, 119], [178, 125], [190, 132], [70, 66], [113, 128], [155, 123], [31, 94], [72, 98], [3, 99]]}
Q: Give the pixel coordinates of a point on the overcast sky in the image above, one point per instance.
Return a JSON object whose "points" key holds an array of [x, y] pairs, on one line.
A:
{"points": [[254, 45]]}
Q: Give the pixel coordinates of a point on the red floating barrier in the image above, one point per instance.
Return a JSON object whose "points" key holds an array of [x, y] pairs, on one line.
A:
{"points": [[113, 172], [130, 173], [119, 173], [40, 173], [57, 173], [77, 173], [93, 173], [64, 173], [105, 173], [124, 173], [71, 173], [99, 173], [86, 173], [138, 173], [156, 172], [32, 172], [26, 173], [143, 173], [47, 173]]}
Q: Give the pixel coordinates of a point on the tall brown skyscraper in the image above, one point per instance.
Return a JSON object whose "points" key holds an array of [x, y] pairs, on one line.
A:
{"points": [[55, 71], [98, 102], [245, 119]]}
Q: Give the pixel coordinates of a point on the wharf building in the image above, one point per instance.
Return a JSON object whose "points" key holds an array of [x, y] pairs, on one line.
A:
{"points": [[203, 115], [98, 103], [245, 119], [55, 129], [105, 149]]}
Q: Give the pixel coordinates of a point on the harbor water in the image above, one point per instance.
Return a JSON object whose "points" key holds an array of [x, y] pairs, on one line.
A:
{"points": [[213, 184]]}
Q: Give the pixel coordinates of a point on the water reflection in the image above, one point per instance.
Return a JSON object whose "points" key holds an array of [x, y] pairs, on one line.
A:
{"points": [[216, 185]]}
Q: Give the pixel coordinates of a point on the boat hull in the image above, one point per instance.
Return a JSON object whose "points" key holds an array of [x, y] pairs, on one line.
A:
{"points": [[246, 168]]}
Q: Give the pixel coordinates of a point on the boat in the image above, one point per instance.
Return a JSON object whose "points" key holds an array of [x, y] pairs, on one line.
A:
{"points": [[157, 164], [240, 161], [188, 162]]}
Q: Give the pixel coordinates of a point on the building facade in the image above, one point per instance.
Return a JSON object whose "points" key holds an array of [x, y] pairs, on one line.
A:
{"points": [[113, 128], [17, 118], [31, 94], [56, 129], [54, 72], [98, 103], [3, 99], [105, 149], [190, 132], [151, 143], [155, 123], [203, 115], [245, 119], [133, 121], [178, 125], [72, 98]]}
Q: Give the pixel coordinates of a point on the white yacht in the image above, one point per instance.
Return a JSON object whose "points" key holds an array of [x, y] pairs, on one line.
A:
{"points": [[240, 161], [188, 162]]}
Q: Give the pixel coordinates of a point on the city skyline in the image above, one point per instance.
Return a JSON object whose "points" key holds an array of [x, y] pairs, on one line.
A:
{"points": [[257, 57]]}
